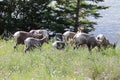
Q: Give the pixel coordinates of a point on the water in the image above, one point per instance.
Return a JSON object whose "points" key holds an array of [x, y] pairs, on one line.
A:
{"points": [[109, 24]]}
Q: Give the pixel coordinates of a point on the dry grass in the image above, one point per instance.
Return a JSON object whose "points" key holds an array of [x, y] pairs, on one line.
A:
{"points": [[51, 64]]}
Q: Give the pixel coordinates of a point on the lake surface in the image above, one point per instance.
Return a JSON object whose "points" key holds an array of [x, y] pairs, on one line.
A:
{"points": [[109, 24]]}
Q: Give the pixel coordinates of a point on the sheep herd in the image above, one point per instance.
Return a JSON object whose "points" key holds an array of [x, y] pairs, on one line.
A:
{"points": [[36, 38], [30, 39]]}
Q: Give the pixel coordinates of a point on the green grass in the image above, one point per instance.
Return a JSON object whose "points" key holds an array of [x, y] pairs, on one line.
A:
{"points": [[52, 64]]}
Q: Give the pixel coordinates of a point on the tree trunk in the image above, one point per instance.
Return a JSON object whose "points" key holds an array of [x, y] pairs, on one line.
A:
{"points": [[77, 15]]}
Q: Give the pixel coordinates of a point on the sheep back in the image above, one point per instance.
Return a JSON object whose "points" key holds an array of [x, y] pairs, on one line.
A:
{"points": [[39, 31], [20, 36], [80, 38], [31, 42], [92, 42]]}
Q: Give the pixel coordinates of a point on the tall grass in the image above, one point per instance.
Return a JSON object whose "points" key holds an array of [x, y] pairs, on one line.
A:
{"points": [[51, 64]]}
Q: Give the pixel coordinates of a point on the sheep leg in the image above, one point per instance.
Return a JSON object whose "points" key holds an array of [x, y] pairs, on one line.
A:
{"points": [[75, 46], [15, 46], [58, 46], [89, 48], [63, 46], [26, 48], [99, 48], [78, 45], [65, 40]]}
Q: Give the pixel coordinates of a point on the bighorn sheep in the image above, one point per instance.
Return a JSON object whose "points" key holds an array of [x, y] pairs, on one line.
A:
{"points": [[104, 42], [100, 37], [91, 41], [40, 31], [20, 36], [33, 42], [59, 44], [83, 38], [68, 35]]}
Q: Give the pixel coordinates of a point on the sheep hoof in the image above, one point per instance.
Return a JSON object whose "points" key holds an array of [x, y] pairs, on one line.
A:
{"points": [[74, 48], [25, 50], [14, 47]]}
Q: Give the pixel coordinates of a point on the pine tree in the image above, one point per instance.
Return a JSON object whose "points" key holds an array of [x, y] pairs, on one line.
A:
{"points": [[35, 14], [76, 13]]}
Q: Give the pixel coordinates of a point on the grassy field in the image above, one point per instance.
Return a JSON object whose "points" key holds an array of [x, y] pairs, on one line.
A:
{"points": [[51, 64]]}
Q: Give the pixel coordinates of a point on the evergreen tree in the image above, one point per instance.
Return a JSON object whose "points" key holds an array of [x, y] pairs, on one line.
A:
{"points": [[35, 14], [76, 12]]}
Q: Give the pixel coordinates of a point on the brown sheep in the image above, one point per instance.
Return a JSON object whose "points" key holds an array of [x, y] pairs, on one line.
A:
{"points": [[20, 36], [68, 35], [40, 31], [83, 38], [59, 45], [33, 42], [91, 41], [104, 42]]}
